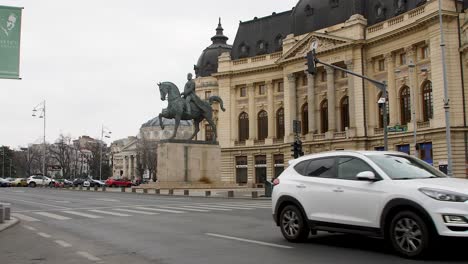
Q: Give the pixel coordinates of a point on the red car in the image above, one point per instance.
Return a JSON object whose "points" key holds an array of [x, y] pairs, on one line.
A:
{"points": [[118, 183]]}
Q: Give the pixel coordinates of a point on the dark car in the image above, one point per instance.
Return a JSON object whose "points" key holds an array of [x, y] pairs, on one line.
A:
{"points": [[79, 182], [4, 183]]}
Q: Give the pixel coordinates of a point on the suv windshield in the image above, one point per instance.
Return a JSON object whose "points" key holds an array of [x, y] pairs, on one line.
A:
{"points": [[405, 167]]}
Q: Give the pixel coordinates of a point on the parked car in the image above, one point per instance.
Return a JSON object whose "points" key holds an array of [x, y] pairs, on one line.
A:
{"points": [[97, 183], [381, 194], [19, 182], [4, 183], [40, 180], [111, 182], [79, 182]]}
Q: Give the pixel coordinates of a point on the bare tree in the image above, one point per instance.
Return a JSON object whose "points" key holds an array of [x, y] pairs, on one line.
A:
{"points": [[62, 153], [147, 157]]}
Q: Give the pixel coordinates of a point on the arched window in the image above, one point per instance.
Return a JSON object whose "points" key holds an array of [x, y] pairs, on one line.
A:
{"points": [[344, 113], [262, 125], [324, 116], [428, 111], [405, 105], [243, 126], [280, 123], [305, 119], [381, 125]]}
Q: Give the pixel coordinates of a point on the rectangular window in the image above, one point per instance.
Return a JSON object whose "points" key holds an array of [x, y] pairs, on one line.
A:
{"points": [[425, 52], [350, 167], [243, 91], [404, 148], [322, 168], [425, 152], [209, 135], [260, 169], [403, 59], [241, 170], [382, 65], [304, 80], [280, 86], [279, 164], [261, 89], [207, 94], [323, 76]]}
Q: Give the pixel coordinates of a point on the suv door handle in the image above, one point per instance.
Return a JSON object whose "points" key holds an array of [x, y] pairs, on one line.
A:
{"points": [[338, 190], [301, 186]]}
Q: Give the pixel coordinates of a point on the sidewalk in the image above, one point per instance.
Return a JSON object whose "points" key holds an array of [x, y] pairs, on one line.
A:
{"points": [[8, 224]]}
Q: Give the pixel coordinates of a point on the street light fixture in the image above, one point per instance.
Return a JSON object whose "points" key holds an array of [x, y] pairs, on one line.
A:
{"points": [[105, 132], [42, 108]]}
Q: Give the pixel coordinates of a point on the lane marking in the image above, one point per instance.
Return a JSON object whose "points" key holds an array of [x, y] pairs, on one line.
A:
{"points": [[106, 200], [44, 235], [160, 210], [207, 207], [88, 256], [62, 201], [248, 240], [186, 209], [135, 211], [82, 214], [54, 216], [63, 243], [30, 228], [25, 217], [228, 207], [109, 213]]}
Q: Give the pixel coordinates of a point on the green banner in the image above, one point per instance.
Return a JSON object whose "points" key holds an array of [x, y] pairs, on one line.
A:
{"points": [[10, 36]]}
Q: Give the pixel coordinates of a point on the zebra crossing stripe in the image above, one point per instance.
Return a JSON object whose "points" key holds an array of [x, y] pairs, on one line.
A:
{"points": [[25, 217], [135, 211], [82, 214], [207, 207], [160, 210], [53, 216], [228, 207], [187, 209], [109, 213]]}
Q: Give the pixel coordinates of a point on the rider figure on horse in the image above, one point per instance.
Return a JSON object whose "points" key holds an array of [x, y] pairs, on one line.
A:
{"points": [[189, 93]]}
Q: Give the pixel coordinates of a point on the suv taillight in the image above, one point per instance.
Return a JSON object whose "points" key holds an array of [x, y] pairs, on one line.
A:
{"points": [[276, 182]]}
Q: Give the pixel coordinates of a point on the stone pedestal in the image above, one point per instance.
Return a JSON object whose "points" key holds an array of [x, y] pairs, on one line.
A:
{"points": [[181, 161]]}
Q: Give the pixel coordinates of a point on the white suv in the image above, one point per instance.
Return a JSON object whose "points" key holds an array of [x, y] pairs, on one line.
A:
{"points": [[36, 180], [380, 194]]}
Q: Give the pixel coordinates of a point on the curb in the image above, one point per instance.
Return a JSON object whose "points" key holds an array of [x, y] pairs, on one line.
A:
{"points": [[8, 224]]}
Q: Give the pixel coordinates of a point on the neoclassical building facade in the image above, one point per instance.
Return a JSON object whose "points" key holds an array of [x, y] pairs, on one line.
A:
{"points": [[265, 86]]}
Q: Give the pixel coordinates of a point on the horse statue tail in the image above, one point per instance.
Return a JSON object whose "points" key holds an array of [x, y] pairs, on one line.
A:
{"points": [[219, 100]]}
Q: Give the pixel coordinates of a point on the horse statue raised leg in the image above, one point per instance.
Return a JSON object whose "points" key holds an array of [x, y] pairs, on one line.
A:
{"points": [[200, 109]]}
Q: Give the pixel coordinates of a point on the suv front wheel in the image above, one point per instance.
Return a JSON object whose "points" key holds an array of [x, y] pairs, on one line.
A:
{"points": [[409, 234], [293, 225]]}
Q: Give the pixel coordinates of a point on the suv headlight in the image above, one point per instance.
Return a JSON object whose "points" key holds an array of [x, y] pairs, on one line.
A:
{"points": [[445, 196]]}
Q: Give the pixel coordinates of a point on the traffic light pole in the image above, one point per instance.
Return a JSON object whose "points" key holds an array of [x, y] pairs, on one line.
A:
{"points": [[380, 85]]}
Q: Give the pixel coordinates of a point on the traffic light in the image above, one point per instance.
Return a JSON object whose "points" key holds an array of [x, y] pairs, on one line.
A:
{"points": [[311, 64], [297, 149]]}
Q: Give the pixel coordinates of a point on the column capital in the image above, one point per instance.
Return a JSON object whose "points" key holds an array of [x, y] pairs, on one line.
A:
{"points": [[291, 77], [388, 57], [269, 82], [330, 71]]}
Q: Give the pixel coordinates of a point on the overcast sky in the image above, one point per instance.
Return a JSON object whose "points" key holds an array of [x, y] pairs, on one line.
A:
{"points": [[98, 61]]}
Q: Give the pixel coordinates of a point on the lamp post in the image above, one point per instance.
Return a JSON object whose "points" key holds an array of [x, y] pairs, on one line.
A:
{"points": [[446, 97], [3, 162], [41, 108], [105, 132]]}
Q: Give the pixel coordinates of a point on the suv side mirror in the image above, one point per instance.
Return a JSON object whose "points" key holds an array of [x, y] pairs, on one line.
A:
{"points": [[366, 176]]}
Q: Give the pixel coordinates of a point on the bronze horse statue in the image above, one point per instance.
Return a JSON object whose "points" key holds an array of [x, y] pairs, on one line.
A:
{"points": [[176, 109]]}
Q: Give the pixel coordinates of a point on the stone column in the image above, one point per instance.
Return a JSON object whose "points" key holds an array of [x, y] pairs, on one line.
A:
{"points": [[331, 99], [290, 106], [392, 94], [252, 112], [311, 102], [132, 166], [125, 167], [351, 96], [271, 111], [234, 116], [371, 98], [413, 80]]}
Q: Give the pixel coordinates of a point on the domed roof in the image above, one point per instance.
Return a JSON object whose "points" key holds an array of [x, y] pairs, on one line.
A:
{"points": [[167, 122], [208, 62]]}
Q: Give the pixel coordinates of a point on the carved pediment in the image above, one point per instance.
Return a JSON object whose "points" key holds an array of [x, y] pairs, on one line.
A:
{"points": [[326, 43]]}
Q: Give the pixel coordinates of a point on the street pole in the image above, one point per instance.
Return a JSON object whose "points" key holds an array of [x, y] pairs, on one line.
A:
{"points": [[385, 121], [100, 153], [446, 96], [411, 67], [44, 150], [10, 168], [3, 162]]}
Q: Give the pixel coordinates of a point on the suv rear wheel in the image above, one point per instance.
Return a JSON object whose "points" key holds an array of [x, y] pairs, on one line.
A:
{"points": [[293, 225], [409, 234]]}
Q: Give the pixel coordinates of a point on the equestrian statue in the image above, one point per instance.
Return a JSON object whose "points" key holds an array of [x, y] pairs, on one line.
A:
{"points": [[187, 106]]}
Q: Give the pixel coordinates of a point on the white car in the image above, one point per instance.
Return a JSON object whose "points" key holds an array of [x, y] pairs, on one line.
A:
{"points": [[380, 194], [40, 180]]}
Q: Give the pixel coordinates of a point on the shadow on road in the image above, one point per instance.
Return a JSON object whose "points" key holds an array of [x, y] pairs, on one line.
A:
{"points": [[448, 250]]}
